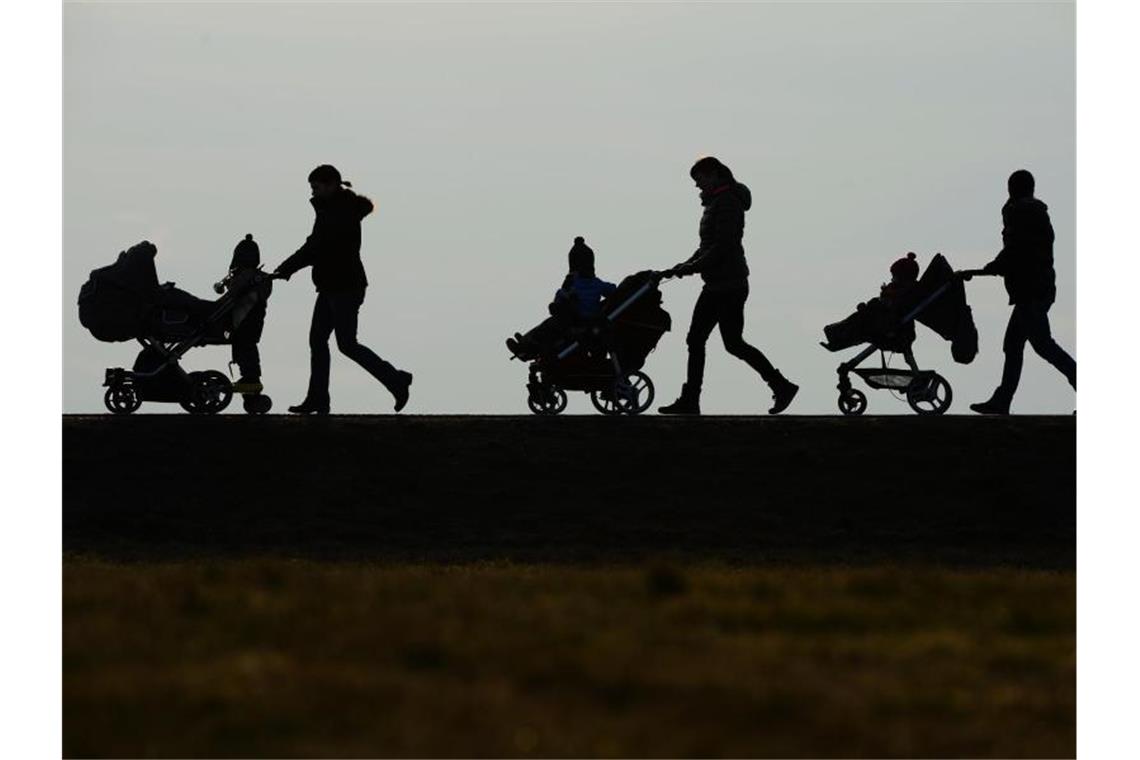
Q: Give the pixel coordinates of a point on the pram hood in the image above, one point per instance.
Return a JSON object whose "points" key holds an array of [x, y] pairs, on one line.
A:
{"points": [[937, 300]]}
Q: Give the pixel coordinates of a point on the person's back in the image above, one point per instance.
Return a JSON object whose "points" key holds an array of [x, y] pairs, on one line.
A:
{"points": [[1026, 259], [584, 293], [333, 248]]}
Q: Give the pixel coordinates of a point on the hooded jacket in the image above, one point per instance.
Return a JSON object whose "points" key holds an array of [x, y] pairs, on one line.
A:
{"points": [[1026, 258], [333, 247], [720, 258]]}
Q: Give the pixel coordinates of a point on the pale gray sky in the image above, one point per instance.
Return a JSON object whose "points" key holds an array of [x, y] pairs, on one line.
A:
{"points": [[489, 135]]}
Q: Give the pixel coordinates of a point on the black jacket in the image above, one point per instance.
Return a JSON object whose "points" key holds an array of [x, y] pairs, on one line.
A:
{"points": [[333, 247], [1026, 258], [720, 259]]}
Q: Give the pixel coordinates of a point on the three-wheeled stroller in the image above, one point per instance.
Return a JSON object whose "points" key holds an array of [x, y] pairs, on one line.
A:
{"points": [[604, 358], [124, 301], [938, 301]]}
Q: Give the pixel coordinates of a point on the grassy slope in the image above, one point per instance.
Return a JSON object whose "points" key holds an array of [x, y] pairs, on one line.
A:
{"points": [[426, 586]]}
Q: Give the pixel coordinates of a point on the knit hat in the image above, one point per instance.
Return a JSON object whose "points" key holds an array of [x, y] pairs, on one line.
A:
{"points": [[906, 268], [328, 174], [581, 257], [246, 254]]}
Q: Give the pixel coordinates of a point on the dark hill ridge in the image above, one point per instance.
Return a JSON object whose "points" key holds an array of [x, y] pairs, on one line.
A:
{"points": [[961, 490]]}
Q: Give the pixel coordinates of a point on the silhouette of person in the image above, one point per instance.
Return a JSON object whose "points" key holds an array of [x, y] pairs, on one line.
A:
{"points": [[249, 315], [721, 264], [333, 251], [1026, 264]]}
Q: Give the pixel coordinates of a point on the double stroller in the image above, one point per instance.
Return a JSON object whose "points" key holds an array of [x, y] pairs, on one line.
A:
{"points": [[936, 300], [124, 301], [604, 357]]}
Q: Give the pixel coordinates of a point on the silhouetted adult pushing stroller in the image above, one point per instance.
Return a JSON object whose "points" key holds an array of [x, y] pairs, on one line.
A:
{"points": [[886, 324]]}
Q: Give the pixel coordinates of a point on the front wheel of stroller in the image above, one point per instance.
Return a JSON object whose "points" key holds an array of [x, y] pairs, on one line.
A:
{"points": [[631, 395], [122, 398], [929, 394], [256, 403], [852, 402], [210, 392], [547, 400]]}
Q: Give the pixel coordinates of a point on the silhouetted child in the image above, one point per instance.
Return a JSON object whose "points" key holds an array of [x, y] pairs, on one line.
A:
{"points": [[576, 303], [248, 314], [904, 276]]}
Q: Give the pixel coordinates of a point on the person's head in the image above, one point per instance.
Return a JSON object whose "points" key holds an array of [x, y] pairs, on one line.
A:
{"points": [[1021, 184], [326, 180], [709, 173], [905, 270], [581, 258], [247, 255]]}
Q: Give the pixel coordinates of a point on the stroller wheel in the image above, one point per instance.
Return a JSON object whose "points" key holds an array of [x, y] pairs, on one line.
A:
{"points": [[122, 398], [631, 395], [256, 403], [852, 402], [546, 400], [210, 392], [929, 394]]}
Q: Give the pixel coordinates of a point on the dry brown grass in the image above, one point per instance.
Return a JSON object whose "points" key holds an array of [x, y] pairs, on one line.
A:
{"points": [[273, 657]]}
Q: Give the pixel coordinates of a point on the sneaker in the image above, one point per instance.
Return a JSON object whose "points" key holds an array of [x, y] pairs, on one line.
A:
{"points": [[782, 396], [403, 384], [990, 407], [682, 406], [248, 386], [307, 407]]}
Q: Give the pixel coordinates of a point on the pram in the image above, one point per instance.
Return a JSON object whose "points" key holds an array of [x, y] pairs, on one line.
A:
{"points": [[124, 301], [938, 301], [604, 358]]}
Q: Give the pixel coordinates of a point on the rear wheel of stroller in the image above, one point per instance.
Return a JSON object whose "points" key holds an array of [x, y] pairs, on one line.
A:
{"points": [[210, 392], [852, 402], [929, 394], [630, 395], [256, 403], [547, 400], [122, 398]]}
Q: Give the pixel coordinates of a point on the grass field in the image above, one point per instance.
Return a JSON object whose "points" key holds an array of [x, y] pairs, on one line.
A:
{"points": [[359, 587], [295, 658]]}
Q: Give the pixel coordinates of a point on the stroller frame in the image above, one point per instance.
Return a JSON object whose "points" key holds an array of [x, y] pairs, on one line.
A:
{"points": [[612, 393], [927, 392], [206, 392]]}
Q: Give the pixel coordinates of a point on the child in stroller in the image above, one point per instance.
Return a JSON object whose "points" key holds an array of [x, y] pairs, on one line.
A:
{"points": [[576, 304], [886, 323], [124, 301], [597, 346]]}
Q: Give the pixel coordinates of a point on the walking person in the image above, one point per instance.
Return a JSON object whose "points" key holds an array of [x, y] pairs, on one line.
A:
{"points": [[720, 262], [1026, 264], [333, 251]]}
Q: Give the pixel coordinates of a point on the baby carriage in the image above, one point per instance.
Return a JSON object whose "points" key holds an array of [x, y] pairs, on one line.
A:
{"points": [[124, 301], [604, 358], [938, 301]]}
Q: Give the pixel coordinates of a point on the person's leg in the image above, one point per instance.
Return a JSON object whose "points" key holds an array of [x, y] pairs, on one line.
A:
{"points": [[731, 324], [346, 309], [1013, 346], [319, 359], [1041, 338], [705, 316]]}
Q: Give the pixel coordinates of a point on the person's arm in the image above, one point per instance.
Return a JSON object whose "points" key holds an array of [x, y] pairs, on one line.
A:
{"points": [[306, 254], [727, 227]]}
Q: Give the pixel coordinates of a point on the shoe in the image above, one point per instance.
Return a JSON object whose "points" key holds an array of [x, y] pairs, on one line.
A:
{"points": [[686, 404], [403, 384], [990, 407], [514, 347], [248, 386], [782, 396], [307, 407]]}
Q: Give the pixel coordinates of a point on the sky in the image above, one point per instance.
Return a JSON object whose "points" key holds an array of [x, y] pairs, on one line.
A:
{"points": [[489, 135]]}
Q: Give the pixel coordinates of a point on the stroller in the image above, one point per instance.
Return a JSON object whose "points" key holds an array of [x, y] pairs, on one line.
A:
{"points": [[604, 358], [938, 301], [124, 301]]}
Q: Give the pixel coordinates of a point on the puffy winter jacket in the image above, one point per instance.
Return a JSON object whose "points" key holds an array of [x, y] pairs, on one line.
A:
{"points": [[333, 247], [720, 258], [1026, 258]]}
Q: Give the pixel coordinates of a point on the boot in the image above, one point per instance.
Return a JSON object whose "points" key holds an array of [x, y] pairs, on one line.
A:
{"points": [[308, 407], [995, 405], [688, 403], [783, 391], [400, 389]]}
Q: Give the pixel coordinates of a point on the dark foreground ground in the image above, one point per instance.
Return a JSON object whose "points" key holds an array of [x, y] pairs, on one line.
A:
{"points": [[582, 586]]}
